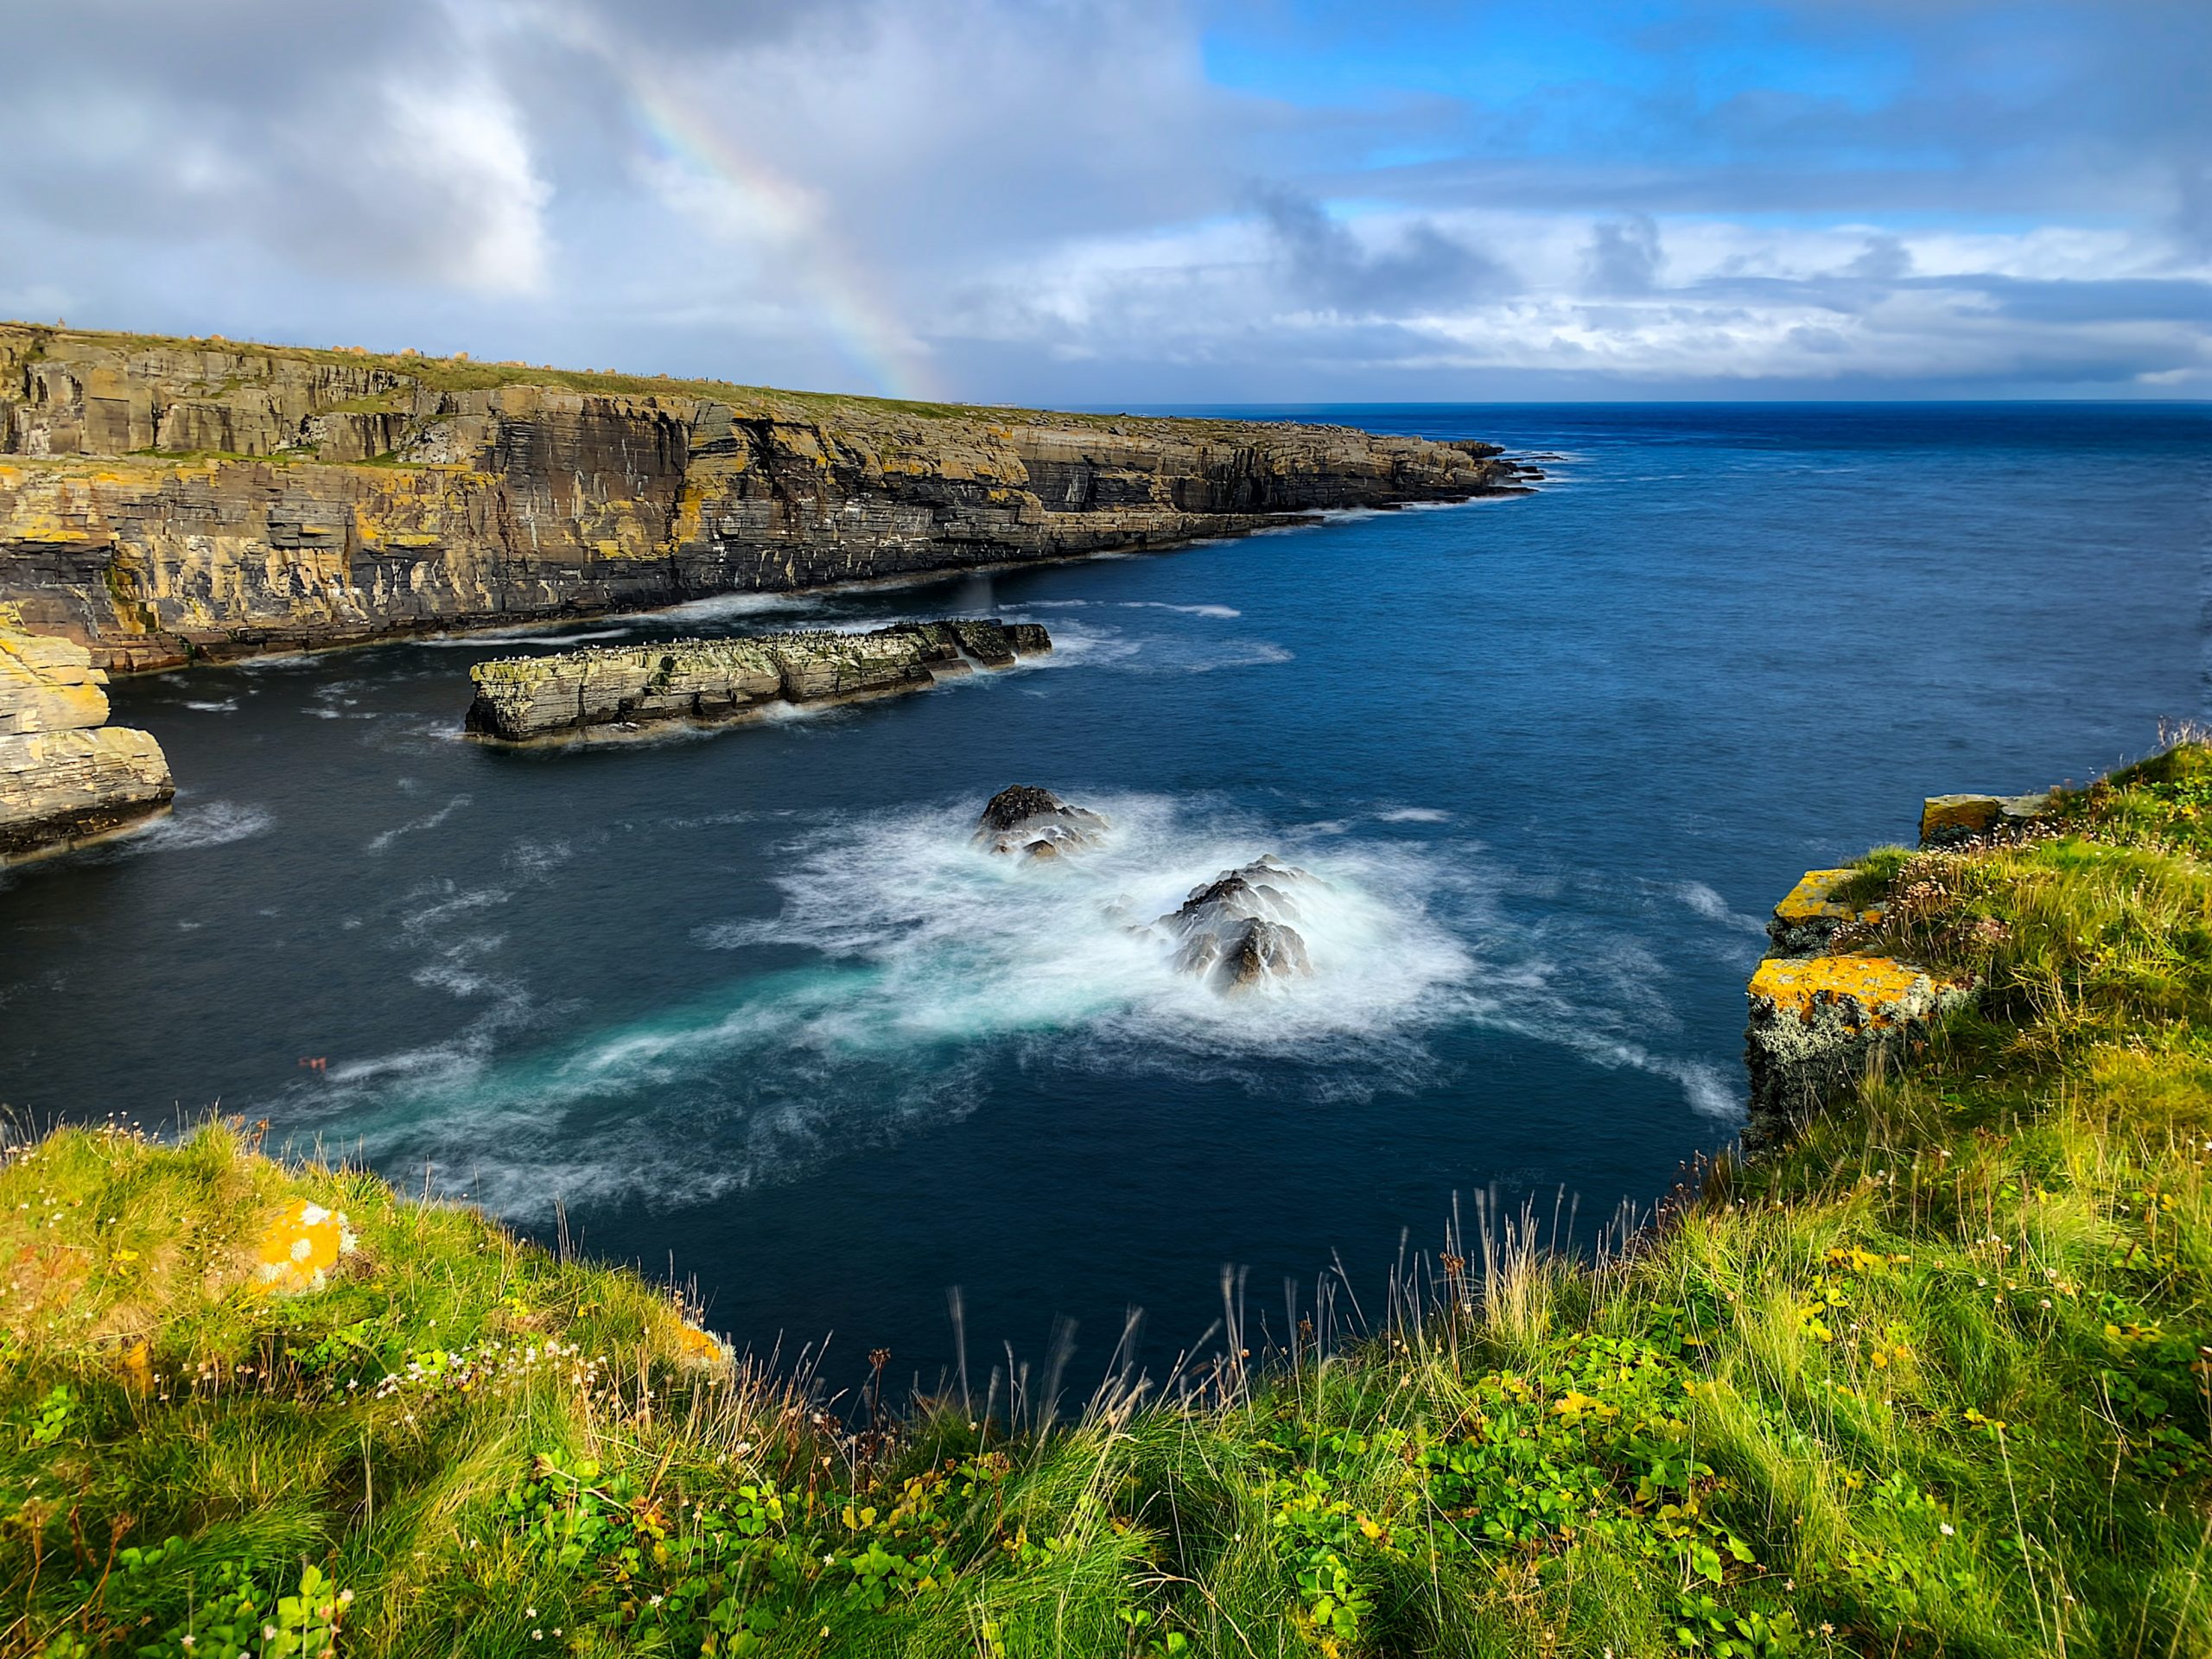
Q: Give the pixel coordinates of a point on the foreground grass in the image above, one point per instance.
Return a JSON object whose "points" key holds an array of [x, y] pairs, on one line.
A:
{"points": [[1935, 1379]]}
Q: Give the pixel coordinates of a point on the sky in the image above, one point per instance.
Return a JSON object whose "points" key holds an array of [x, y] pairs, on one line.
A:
{"points": [[1124, 202]]}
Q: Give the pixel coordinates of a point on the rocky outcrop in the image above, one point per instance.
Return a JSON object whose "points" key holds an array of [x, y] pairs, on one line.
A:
{"points": [[1025, 821], [1808, 918], [1819, 1023], [65, 775], [1954, 820], [519, 699], [161, 499], [1236, 932]]}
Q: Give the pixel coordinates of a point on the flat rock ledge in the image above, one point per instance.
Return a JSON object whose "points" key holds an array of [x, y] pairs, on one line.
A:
{"points": [[65, 775], [523, 699], [1822, 1019]]}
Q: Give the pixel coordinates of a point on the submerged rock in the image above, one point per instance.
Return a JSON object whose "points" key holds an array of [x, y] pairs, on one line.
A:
{"points": [[1236, 931], [1026, 821], [518, 698], [64, 775]]}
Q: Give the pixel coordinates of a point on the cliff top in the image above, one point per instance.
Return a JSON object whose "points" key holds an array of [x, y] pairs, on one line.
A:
{"points": [[27, 342], [1933, 1379]]}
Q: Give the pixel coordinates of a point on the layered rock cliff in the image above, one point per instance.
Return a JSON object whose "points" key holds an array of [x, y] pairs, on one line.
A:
{"points": [[161, 499], [65, 775], [561, 693]]}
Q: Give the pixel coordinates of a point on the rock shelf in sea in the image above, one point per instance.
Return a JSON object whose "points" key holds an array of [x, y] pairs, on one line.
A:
{"points": [[519, 699]]}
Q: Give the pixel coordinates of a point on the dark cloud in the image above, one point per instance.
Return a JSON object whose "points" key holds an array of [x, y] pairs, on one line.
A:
{"points": [[1623, 256], [1330, 265]]}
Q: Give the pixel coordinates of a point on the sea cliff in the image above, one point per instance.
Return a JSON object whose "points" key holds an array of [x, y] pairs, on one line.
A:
{"points": [[165, 499], [65, 775]]}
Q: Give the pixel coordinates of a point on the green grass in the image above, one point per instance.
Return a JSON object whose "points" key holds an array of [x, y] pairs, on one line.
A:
{"points": [[467, 374], [1933, 1380]]}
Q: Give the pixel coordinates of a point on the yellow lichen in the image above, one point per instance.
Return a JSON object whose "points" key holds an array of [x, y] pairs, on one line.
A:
{"points": [[697, 1347], [1808, 901], [1797, 983], [301, 1245], [1972, 813]]}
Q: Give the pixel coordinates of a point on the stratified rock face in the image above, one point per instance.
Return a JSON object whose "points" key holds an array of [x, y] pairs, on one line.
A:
{"points": [[521, 698], [64, 775], [331, 497], [1025, 822], [1236, 932]]}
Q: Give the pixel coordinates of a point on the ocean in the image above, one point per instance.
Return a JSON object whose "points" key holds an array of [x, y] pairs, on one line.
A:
{"points": [[747, 1008]]}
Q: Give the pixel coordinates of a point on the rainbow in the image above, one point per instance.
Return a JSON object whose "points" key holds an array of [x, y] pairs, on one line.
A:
{"points": [[862, 323]]}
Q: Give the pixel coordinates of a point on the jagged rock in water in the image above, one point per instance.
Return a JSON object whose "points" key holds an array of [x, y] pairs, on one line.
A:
{"points": [[1235, 930], [65, 774], [518, 698], [1035, 824]]}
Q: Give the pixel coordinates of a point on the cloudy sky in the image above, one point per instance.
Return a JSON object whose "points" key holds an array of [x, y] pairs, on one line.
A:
{"points": [[1126, 201]]}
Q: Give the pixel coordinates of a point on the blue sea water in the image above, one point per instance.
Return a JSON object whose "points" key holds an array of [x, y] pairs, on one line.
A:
{"points": [[750, 1010]]}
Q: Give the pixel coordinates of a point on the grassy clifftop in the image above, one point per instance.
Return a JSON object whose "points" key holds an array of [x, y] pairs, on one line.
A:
{"points": [[1932, 1379]]}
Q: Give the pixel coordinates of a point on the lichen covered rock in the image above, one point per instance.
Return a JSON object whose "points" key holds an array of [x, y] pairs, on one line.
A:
{"points": [[1949, 820], [1810, 917], [1818, 1023], [299, 1248]]}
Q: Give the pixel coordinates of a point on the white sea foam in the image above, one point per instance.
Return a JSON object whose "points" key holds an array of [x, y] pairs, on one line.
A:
{"points": [[1710, 904], [383, 838], [210, 823], [225, 706], [923, 965], [1414, 815]]}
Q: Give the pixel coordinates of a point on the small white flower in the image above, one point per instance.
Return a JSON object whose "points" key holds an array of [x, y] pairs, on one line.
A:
{"points": [[1949, 1531]]}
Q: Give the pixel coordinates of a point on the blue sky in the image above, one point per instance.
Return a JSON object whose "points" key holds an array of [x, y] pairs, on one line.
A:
{"points": [[1131, 201]]}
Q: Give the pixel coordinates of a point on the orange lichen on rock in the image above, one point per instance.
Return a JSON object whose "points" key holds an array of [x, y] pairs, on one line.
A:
{"points": [[302, 1243], [1877, 984], [697, 1347], [1808, 901]]}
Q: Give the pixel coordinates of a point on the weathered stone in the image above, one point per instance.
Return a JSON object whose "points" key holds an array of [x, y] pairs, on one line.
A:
{"points": [[521, 698], [1236, 931], [1819, 1023], [1948, 820], [1808, 918], [1034, 824], [494, 502], [64, 777]]}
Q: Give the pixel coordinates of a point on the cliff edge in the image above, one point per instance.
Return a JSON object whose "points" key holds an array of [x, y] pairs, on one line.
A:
{"points": [[162, 499]]}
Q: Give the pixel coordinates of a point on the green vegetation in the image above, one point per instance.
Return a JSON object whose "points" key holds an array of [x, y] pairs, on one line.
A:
{"points": [[1935, 1379], [467, 374]]}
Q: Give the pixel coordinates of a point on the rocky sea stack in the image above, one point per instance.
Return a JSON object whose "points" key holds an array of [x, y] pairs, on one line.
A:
{"points": [[65, 775], [521, 698]]}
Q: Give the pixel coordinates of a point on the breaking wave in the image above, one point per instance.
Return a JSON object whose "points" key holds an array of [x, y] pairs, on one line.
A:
{"points": [[899, 968]]}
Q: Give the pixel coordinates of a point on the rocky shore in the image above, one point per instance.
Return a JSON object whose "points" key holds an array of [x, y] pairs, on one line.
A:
{"points": [[65, 775], [163, 500], [522, 699]]}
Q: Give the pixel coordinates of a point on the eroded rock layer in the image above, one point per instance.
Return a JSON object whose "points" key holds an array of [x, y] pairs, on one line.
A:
{"points": [[65, 774], [166, 499], [522, 698]]}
